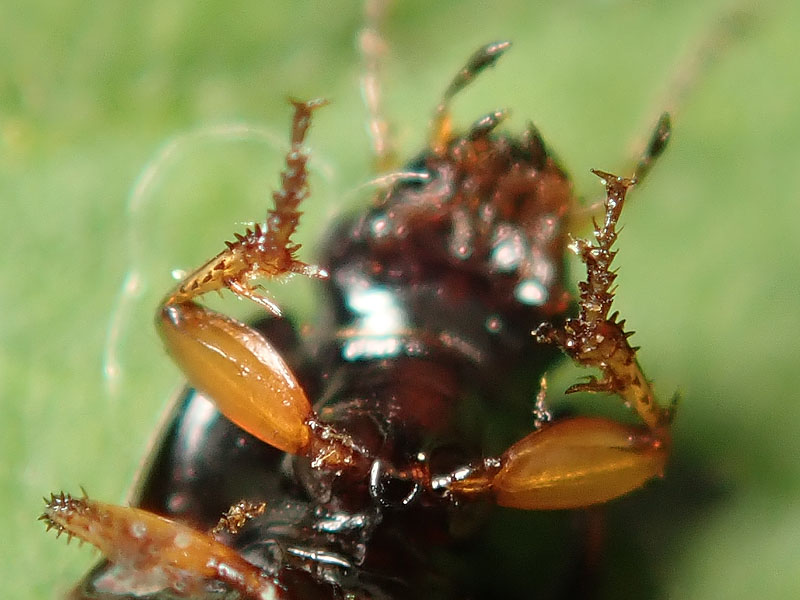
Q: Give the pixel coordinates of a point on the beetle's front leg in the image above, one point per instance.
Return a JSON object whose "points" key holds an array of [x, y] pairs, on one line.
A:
{"points": [[570, 463], [581, 461], [267, 251], [233, 364], [241, 371], [250, 383]]}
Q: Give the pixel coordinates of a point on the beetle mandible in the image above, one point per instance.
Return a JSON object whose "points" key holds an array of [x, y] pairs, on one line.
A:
{"points": [[322, 468]]}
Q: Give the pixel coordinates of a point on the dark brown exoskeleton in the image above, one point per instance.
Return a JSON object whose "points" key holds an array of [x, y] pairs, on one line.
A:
{"points": [[346, 466]]}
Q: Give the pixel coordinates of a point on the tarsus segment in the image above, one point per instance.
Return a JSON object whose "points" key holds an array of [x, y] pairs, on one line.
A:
{"points": [[283, 219]]}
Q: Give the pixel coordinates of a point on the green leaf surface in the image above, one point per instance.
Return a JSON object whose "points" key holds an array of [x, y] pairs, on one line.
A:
{"points": [[97, 97]]}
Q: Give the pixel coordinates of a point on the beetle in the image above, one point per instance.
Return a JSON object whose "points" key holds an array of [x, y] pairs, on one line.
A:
{"points": [[314, 469]]}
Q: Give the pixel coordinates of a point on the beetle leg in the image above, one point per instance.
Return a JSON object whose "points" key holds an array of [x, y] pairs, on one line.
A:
{"points": [[267, 250], [585, 460], [232, 363], [251, 384], [570, 463], [596, 339], [155, 553], [441, 130]]}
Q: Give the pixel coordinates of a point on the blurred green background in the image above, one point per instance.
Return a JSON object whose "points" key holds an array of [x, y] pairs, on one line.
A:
{"points": [[91, 93]]}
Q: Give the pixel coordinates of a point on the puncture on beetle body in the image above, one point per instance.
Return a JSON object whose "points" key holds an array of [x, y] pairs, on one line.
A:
{"points": [[327, 456]]}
